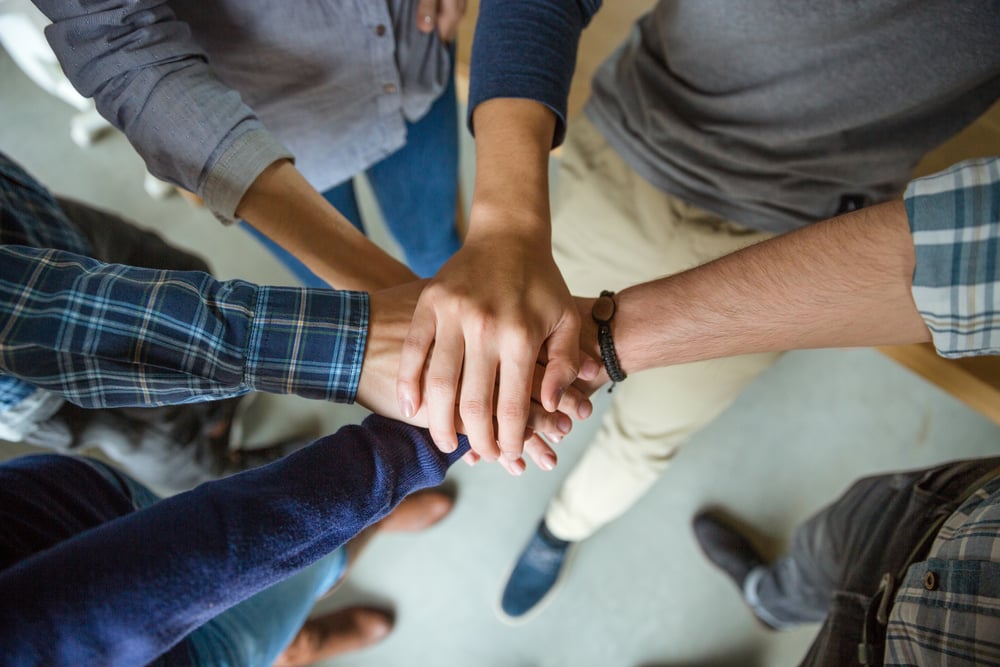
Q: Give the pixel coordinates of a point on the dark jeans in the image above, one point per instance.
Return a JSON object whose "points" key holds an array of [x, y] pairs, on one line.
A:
{"points": [[172, 447], [837, 557]]}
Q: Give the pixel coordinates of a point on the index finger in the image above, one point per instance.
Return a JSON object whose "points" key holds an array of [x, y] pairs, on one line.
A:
{"points": [[413, 358]]}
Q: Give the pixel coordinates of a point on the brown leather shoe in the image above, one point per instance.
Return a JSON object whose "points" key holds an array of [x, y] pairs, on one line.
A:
{"points": [[417, 512], [340, 632]]}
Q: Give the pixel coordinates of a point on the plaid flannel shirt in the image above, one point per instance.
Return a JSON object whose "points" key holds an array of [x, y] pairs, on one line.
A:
{"points": [[105, 335], [946, 609], [955, 220]]}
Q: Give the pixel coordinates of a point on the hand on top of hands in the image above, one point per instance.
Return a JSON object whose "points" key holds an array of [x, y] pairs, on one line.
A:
{"points": [[479, 329], [389, 322]]}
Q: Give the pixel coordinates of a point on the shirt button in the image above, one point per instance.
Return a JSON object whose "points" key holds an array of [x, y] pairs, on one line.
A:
{"points": [[930, 581], [389, 88], [380, 30]]}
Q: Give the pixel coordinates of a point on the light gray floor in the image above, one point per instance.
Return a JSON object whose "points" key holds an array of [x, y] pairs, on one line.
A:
{"points": [[639, 592]]}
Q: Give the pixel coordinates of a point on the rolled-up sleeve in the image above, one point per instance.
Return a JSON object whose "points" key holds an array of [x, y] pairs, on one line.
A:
{"points": [[151, 80], [955, 221]]}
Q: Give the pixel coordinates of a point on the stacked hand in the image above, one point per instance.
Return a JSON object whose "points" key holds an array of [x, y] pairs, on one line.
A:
{"points": [[390, 320]]}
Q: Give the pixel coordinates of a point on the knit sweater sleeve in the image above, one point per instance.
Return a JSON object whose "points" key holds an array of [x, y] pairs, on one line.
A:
{"points": [[126, 591], [527, 49]]}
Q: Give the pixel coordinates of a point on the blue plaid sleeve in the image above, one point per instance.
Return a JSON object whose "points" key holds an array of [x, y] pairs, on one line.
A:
{"points": [[106, 335], [955, 220]]}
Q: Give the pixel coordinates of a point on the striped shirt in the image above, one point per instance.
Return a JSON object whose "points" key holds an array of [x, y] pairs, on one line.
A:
{"points": [[107, 335], [955, 220]]}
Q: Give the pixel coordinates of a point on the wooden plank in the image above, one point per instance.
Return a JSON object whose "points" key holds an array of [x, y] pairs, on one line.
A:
{"points": [[973, 380]]}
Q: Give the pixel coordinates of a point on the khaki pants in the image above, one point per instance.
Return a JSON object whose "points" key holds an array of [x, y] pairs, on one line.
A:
{"points": [[613, 229]]}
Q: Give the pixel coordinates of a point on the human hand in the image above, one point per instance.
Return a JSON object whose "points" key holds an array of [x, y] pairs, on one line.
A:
{"points": [[444, 14], [389, 320], [484, 319], [595, 376]]}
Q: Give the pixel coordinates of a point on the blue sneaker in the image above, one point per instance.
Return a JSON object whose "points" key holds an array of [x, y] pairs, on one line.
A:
{"points": [[535, 574]]}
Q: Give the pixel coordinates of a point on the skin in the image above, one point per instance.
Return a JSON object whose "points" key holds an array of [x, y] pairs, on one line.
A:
{"points": [[500, 304], [845, 282], [389, 322]]}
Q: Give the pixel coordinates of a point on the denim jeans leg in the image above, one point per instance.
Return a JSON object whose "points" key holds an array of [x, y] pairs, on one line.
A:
{"points": [[417, 187], [256, 631]]}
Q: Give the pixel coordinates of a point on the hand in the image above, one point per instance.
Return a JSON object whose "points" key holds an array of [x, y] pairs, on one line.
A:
{"points": [[592, 373], [446, 14], [484, 320], [389, 321]]}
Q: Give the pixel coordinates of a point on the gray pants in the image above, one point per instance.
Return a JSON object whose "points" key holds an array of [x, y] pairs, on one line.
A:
{"points": [[839, 555], [173, 447]]}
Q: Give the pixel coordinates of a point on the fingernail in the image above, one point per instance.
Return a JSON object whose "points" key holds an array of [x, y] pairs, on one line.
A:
{"points": [[564, 423], [428, 19], [469, 462], [407, 406], [586, 409], [548, 462], [516, 468]]}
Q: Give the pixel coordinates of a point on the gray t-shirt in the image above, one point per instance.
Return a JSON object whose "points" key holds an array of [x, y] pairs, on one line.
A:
{"points": [[775, 114]]}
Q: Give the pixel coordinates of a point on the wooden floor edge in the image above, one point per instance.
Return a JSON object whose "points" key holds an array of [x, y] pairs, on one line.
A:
{"points": [[949, 376]]}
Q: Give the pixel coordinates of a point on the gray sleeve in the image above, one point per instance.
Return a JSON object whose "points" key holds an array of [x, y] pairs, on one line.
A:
{"points": [[153, 82]]}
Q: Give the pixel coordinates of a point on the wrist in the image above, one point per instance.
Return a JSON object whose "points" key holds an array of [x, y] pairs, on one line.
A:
{"points": [[603, 314]]}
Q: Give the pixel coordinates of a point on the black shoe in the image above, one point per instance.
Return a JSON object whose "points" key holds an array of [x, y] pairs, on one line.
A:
{"points": [[725, 547]]}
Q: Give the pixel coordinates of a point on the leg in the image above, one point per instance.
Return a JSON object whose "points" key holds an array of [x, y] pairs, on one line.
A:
{"points": [[417, 187], [846, 547], [613, 229], [272, 626]]}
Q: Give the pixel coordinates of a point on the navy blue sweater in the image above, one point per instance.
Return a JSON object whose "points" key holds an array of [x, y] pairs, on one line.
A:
{"points": [[87, 580]]}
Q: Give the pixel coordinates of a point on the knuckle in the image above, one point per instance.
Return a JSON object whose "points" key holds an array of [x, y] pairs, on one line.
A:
{"points": [[440, 387], [512, 411], [413, 342], [474, 409]]}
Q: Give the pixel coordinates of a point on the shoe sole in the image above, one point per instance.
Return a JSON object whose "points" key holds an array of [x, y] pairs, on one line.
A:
{"points": [[540, 606]]}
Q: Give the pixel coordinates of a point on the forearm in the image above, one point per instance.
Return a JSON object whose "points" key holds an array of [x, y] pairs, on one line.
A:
{"points": [[511, 194], [110, 335], [285, 207], [841, 283], [131, 588]]}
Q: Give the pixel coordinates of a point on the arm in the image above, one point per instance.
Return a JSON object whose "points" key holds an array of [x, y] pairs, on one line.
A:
{"points": [[895, 273], [188, 558], [152, 81], [105, 335], [501, 302], [841, 283], [283, 205]]}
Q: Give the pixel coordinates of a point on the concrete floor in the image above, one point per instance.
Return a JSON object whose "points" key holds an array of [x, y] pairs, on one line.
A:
{"points": [[638, 593]]}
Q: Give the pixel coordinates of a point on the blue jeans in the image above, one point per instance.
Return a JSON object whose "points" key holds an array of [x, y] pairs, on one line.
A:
{"points": [[254, 632], [416, 189]]}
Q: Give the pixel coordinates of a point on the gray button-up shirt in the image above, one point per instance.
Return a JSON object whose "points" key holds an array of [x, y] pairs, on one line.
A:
{"points": [[210, 92]]}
